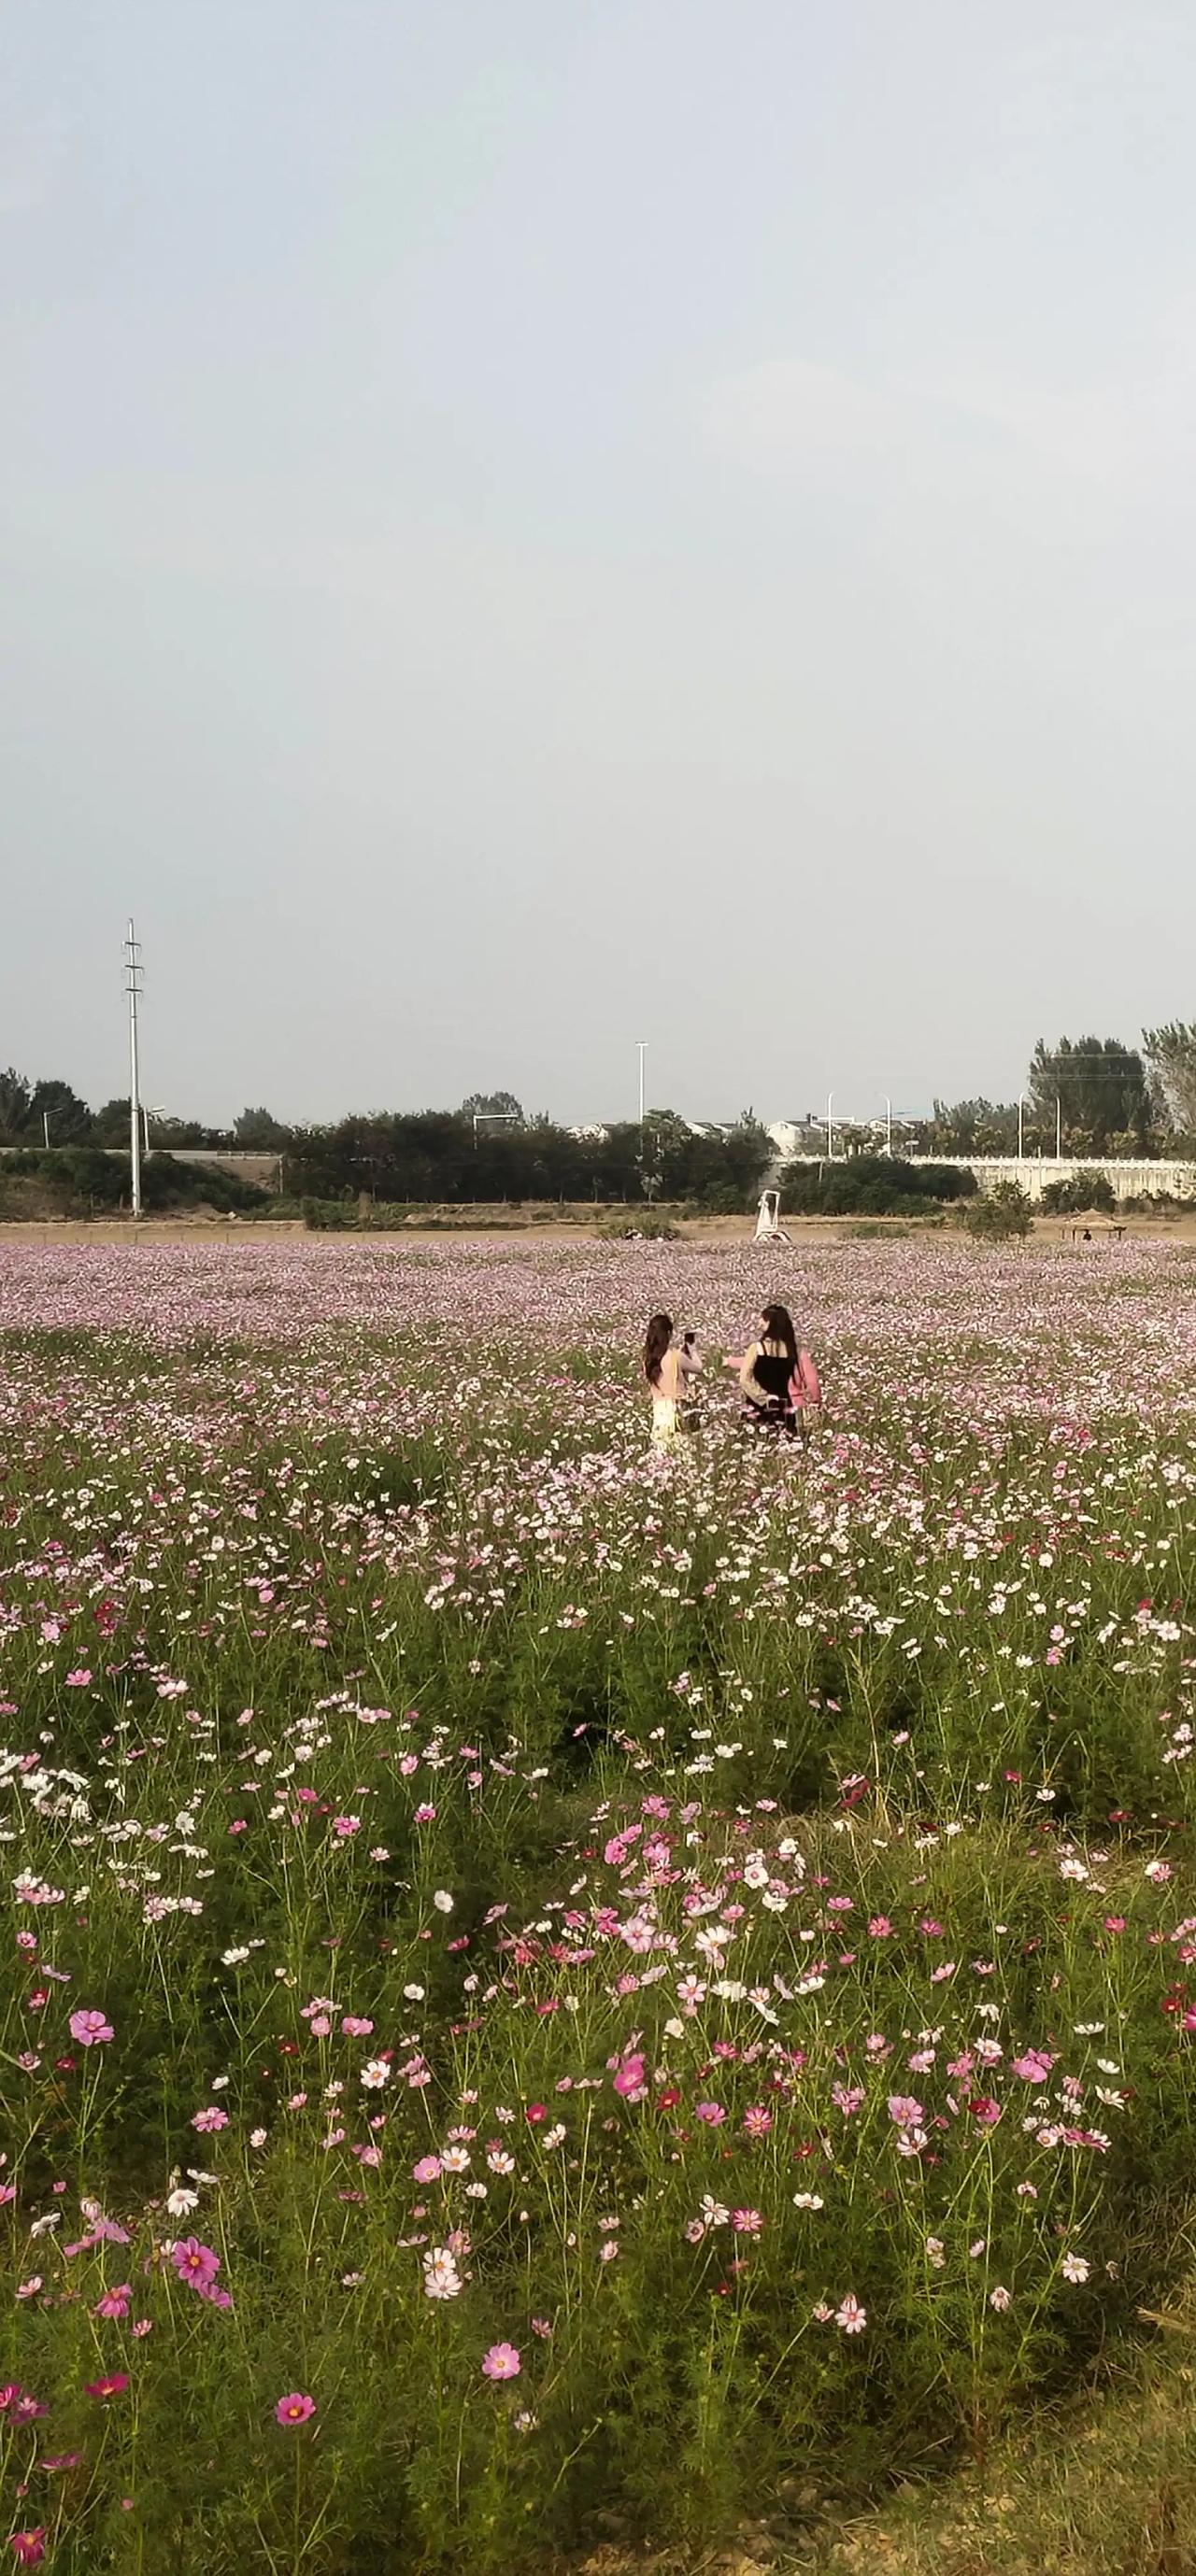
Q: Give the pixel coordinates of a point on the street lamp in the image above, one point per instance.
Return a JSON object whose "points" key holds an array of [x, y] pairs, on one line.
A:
{"points": [[1022, 1098], [642, 1044], [830, 1132], [888, 1124]]}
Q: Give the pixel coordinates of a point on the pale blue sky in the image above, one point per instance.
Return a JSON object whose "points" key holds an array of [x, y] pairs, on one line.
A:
{"points": [[531, 524]]}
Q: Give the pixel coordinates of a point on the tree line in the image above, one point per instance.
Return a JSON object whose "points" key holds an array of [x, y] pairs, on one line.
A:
{"points": [[488, 1150], [1099, 1096], [1096, 1096]]}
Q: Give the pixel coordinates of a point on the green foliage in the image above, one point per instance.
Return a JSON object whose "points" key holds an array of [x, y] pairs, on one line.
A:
{"points": [[69, 1117], [257, 1130], [874, 1185], [1101, 1086], [15, 1096], [1084, 1193], [1170, 1054], [1002, 1215], [492, 1104], [973, 1127], [436, 1157], [86, 1180]]}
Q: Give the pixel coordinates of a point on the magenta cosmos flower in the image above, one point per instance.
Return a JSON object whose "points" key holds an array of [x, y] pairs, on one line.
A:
{"points": [[194, 2262], [295, 2409], [113, 2384], [502, 2362], [90, 2028], [28, 2547]]}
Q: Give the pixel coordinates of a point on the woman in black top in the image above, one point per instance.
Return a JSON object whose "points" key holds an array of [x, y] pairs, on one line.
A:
{"points": [[766, 1375]]}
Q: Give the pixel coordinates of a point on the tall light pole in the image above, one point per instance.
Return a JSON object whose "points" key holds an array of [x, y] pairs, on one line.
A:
{"points": [[830, 1132], [643, 1048], [46, 1127], [134, 980], [888, 1124], [1058, 1131], [1021, 1103]]}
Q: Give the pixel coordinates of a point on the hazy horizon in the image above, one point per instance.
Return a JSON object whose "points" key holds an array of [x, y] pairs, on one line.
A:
{"points": [[527, 530]]}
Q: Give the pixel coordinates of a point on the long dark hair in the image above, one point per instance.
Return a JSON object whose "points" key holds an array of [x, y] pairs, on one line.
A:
{"points": [[778, 1324], [656, 1343]]}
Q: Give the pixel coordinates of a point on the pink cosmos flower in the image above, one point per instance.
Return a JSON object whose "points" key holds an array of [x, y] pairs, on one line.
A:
{"points": [[851, 2316], [90, 2028], [355, 2026], [213, 2118], [985, 2110], [502, 2362], [905, 2112], [711, 2112], [194, 2262], [28, 2547], [746, 2222], [115, 2303], [113, 2384], [630, 2077], [880, 1929], [427, 2170], [295, 2408], [1034, 2066]]}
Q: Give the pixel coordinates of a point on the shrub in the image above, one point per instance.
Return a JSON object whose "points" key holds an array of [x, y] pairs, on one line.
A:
{"points": [[1001, 1217], [874, 1185], [1080, 1196]]}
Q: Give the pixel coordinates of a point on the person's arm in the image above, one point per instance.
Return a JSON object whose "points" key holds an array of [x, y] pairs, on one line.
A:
{"points": [[811, 1383], [747, 1369], [691, 1364]]}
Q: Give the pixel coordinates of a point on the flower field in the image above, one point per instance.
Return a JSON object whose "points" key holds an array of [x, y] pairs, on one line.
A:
{"points": [[552, 1990]]}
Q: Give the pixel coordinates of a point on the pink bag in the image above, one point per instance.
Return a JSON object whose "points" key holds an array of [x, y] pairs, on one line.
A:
{"points": [[805, 1386]]}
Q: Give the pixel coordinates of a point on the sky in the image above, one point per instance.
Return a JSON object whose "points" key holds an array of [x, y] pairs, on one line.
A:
{"points": [[531, 525]]}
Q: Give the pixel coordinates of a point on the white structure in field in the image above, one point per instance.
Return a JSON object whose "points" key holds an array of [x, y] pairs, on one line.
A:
{"points": [[769, 1228]]}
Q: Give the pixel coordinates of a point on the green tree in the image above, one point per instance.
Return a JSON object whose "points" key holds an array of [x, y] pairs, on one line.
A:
{"points": [[1084, 1192], [258, 1129], [973, 1127], [15, 1096], [1170, 1054], [69, 1116], [1001, 1216], [491, 1104], [1101, 1088]]}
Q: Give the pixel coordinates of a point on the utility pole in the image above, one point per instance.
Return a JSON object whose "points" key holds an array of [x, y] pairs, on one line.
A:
{"points": [[830, 1132], [134, 980], [643, 1048], [888, 1124], [1058, 1131], [46, 1127]]}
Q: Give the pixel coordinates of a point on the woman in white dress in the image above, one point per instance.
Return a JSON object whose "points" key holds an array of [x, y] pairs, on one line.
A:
{"points": [[668, 1371]]}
